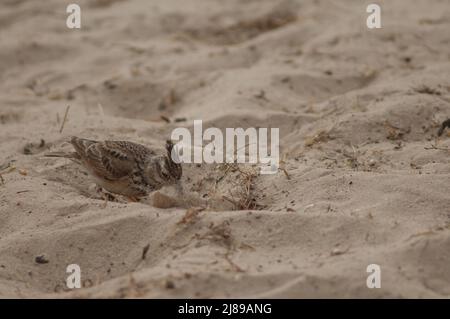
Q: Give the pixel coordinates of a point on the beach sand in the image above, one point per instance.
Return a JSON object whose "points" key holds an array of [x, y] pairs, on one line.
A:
{"points": [[364, 179]]}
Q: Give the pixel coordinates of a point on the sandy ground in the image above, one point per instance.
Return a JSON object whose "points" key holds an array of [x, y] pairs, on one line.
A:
{"points": [[358, 111]]}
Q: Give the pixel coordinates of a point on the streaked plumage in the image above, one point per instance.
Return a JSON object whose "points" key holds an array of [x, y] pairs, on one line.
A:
{"points": [[124, 167]]}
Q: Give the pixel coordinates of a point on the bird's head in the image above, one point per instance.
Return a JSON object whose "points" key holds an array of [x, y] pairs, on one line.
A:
{"points": [[162, 169], [172, 167]]}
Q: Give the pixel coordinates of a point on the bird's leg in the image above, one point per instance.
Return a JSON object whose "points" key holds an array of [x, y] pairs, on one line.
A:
{"points": [[105, 195], [105, 203]]}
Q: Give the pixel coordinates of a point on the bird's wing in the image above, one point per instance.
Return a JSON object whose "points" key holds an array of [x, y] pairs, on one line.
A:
{"points": [[110, 160]]}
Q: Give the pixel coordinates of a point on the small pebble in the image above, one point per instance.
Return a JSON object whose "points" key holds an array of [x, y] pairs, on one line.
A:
{"points": [[41, 259]]}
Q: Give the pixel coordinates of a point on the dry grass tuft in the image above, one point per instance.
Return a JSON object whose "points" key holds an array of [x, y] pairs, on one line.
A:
{"points": [[242, 194]]}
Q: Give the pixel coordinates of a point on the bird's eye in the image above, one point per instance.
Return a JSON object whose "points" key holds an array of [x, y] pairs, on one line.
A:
{"points": [[164, 175]]}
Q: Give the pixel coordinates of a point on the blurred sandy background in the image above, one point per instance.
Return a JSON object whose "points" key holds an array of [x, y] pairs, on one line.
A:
{"points": [[357, 109]]}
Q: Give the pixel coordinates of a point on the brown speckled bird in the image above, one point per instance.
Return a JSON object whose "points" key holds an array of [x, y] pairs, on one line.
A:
{"points": [[125, 168]]}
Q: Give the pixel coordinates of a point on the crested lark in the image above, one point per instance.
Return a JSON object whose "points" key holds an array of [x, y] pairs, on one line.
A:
{"points": [[125, 168]]}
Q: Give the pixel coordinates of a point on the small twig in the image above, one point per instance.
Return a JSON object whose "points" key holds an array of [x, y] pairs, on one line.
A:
{"points": [[5, 166], [190, 215], [145, 251], [224, 174], [230, 200], [232, 263], [286, 173], [165, 118], [100, 109], [434, 147], [8, 169], [65, 119]]}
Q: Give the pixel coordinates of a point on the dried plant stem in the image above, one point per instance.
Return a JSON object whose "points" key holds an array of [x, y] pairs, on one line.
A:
{"points": [[65, 119]]}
